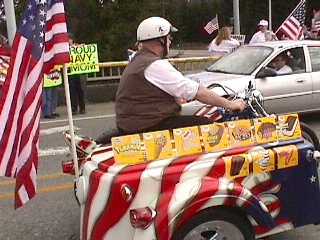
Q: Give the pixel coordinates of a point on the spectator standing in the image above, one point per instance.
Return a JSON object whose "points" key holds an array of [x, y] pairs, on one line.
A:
{"points": [[315, 23], [77, 84], [263, 34], [223, 43], [50, 94]]}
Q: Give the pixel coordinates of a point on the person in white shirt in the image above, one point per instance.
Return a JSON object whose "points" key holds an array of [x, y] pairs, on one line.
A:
{"points": [[263, 34], [279, 64], [149, 87], [223, 43]]}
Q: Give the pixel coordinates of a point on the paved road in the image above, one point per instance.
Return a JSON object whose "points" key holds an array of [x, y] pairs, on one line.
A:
{"points": [[54, 214]]}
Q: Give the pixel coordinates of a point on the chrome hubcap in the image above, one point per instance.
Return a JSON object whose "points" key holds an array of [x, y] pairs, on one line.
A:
{"points": [[215, 230]]}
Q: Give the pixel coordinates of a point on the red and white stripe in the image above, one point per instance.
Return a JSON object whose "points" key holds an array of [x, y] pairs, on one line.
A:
{"points": [[292, 28], [20, 110], [173, 187], [56, 37]]}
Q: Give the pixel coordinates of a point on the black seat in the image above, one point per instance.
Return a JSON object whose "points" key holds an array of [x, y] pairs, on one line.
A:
{"points": [[105, 137]]}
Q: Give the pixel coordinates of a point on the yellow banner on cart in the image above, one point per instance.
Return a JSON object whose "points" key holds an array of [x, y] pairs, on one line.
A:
{"points": [[133, 149]]}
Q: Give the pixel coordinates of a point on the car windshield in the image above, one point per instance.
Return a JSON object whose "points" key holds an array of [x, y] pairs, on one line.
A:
{"points": [[242, 61]]}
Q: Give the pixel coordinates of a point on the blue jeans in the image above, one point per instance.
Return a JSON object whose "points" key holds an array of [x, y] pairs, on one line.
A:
{"points": [[50, 100]]}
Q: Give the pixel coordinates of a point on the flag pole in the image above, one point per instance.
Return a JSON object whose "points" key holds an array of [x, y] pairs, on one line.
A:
{"points": [[10, 20], [270, 15], [290, 14], [71, 129]]}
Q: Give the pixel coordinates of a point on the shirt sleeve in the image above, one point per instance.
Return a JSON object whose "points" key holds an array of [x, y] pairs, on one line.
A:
{"points": [[163, 75]]}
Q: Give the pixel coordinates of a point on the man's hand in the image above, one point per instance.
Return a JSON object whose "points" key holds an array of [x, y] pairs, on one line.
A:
{"points": [[238, 105]]}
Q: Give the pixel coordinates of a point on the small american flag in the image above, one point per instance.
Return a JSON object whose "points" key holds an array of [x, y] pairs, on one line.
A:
{"points": [[291, 28], [212, 25], [40, 43]]}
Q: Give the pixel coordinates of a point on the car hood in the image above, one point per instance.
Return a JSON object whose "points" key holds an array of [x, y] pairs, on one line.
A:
{"points": [[230, 80]]}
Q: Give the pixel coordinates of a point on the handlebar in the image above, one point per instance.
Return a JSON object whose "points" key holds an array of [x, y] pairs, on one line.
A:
{"points": [[251, 96]]}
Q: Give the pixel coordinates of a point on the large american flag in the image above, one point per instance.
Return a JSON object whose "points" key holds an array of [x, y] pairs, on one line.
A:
{"points": [[40, 42], [291, 28], [212, 25]]}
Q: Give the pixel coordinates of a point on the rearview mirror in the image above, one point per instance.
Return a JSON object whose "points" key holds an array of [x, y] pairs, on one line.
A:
{"points": [[266, 72]]}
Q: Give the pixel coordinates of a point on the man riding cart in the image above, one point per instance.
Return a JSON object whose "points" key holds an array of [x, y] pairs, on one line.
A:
{"points": [[166, 176]]}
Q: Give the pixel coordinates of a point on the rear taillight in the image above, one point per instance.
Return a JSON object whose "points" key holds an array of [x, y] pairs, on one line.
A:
{"points": [[68, 167], [142, 217]]}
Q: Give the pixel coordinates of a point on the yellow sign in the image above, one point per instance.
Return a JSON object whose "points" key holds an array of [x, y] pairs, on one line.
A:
{"points": [[83, 59], [240, 133], [158, 145], [4, 65], [287, 156], [215, 137], [187, 141], [265, 130], [289, 127], [128, 149], [53, 79], [263, 161], [237, 165]]}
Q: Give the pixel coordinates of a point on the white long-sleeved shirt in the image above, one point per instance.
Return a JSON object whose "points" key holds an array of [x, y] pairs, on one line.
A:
{"points": [[258, 37], [225, 47], [163, 75]]}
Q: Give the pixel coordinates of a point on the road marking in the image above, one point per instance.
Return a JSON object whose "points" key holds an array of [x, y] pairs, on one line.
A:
{"points": [[56, 188], [49, 131], [78, 119], [53, 151], [39, 178]]}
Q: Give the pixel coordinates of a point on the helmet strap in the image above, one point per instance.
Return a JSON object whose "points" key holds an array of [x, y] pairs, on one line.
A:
{"points": [[163, 41]]}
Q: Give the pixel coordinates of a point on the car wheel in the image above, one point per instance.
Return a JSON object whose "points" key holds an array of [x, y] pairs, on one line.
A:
{"points": [[310, 135], [75, 193], [216, 224]]}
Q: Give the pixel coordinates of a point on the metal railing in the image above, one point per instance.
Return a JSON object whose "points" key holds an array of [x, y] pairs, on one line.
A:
{"points": [[113, 70]]}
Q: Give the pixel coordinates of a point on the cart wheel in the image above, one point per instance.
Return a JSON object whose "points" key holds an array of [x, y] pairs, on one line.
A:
{"points": [[216, 224], [310, 135]]}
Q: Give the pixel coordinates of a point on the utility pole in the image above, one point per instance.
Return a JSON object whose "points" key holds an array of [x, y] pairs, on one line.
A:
{"points": [[10, 19], [270, 15], [236, 17]]}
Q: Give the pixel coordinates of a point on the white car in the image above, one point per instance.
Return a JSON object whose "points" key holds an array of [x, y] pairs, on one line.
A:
{"points": [[298, 91]]}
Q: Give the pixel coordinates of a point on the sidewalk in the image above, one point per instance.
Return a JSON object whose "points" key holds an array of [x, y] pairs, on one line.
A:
{"points": [[92, 110]]}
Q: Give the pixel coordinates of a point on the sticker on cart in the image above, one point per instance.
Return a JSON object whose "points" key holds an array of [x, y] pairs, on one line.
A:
{"points": [[128, 149], [240, 133], [215, 137], [237, 165], [263, 161], [287, 156], [289, 127], [187, 141], [158, 145], [265, 130]]}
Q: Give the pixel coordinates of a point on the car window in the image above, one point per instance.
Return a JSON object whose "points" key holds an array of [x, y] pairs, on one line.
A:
{"points": [[315, 58], [290, 61], [243, 61]]}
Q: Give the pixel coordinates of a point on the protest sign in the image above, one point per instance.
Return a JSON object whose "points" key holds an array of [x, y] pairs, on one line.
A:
{"points": [[84, 59]]}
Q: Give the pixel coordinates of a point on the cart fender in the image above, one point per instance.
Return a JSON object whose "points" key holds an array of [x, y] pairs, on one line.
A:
{"points": [[199, 194]]}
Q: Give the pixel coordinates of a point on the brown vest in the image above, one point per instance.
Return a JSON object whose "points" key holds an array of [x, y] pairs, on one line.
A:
{"points": [[139, 103]]}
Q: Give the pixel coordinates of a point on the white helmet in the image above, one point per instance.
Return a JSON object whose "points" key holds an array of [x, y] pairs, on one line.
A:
{"points": [[154, 27]]}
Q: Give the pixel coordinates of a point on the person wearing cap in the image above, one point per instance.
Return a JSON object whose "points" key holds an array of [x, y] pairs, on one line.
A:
{"points": [[263, 34], [150, 87]]}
